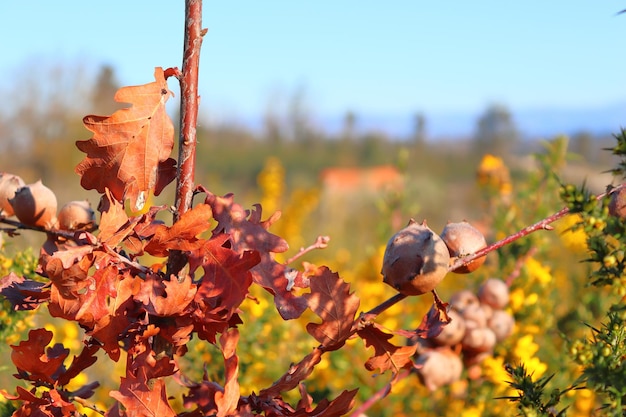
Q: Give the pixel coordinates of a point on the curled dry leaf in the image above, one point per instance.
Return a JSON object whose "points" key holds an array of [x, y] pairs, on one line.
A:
{"points": [[331, 300], [129, 151]]}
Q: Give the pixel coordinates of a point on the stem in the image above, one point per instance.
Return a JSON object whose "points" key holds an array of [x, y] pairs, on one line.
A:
{"points": [[320, 243], [188, 106], [377, 396], [189, 100]]}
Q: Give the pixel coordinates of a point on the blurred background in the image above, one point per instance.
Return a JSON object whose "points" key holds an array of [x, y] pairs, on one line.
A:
{"points": [[349, 117], [423, 88]]}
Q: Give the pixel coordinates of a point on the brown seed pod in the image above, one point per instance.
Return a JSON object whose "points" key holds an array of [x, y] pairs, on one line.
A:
{"points": [[463, 299], [475, 316], [479, 339], [9, 183], [438, 367], [463, 239], [617, 204], [495, 293], [77, 215], [502, 324], [415, 260], [453, 332], [35, 205]]}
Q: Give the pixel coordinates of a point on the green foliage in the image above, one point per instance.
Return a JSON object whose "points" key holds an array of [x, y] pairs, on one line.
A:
{"points": [[532, 399]]}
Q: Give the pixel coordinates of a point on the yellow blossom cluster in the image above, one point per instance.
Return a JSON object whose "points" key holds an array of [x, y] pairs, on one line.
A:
{"points": [[493, 175]]}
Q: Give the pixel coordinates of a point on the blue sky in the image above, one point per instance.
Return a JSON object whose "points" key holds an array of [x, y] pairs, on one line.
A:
{"points": [[369, 57]]}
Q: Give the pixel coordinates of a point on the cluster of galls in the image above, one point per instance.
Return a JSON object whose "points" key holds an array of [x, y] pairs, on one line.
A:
{"points": [[478, 322], [416, 260], [36, 205]]}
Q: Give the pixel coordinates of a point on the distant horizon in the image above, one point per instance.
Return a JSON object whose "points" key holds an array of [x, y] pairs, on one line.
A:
{"points": [[369, 58], [532, 123]]}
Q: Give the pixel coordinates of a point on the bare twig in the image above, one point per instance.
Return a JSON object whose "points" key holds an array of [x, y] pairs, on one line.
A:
{"points": [[320, 243], [189, 101], [378, 395]]}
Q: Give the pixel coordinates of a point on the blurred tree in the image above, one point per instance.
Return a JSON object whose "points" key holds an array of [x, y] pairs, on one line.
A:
{"points": [[299, 119], [582, 144], [418, 136], [272, 128], [104, 89], [496, 132], [347, 139], [44, 121]]}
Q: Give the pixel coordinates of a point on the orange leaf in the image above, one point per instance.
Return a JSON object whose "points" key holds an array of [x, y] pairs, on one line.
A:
{"points": [[386, 355], [297, 373], [143, 397], [182, 234], [330, 298], [248, 232], [36, 363], [228, 399], [129, 151]]}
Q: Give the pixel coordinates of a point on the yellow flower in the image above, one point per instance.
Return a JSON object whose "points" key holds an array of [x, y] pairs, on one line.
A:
{"points": [[524, 351], [493, 174], [584, 403], [272, 182], [493, 369], [538, 272], [516, 299], [474, 411], [525, 347], [574, 240]]}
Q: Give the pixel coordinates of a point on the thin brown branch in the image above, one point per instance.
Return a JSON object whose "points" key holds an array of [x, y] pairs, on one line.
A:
{"points": [[378, 395], [320, 243], [189, 102], [188, 106], [21, 226]]}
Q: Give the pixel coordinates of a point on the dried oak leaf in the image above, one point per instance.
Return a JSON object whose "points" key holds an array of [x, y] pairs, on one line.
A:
{"points": [[22, 293], [92, 303], [331, 300], [129, 152], [166, 298], [141, 396], [248, 232], [334, 408], [112, 218], [36, 363], [51, 403], [223, 286], [228, 399], [182, 235], [296, 374], [386, 355], [434, 321], [111, 328], [84, 360]]}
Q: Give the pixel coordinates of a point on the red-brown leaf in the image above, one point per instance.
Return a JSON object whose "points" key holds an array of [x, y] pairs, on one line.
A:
{"points": [[79, 363], [226, 276], [143, 397], [166, 297], [335, 408], [331, 300], [183, 234], [22, 293], [129, 152], [86, 300], [296, 374], [386, 355], [248, 232], [434, 321], [33, 361], [228, 399]]}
